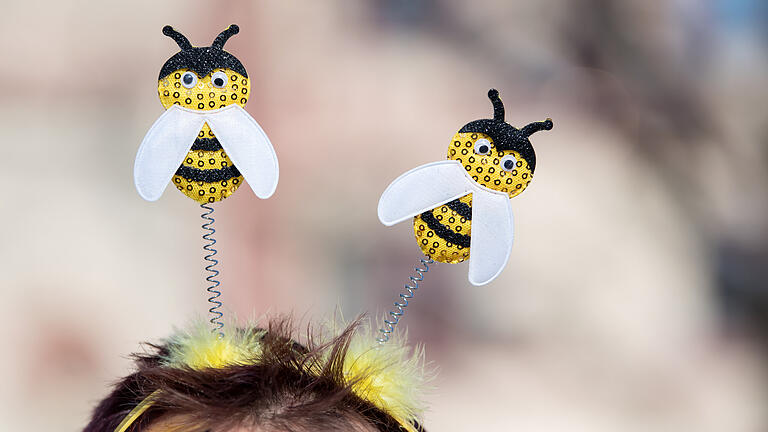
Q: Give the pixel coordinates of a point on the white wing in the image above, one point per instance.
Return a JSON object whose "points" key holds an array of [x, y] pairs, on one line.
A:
{"points": [[248, 146], [163, 150], [492, 232], [423, 188]]}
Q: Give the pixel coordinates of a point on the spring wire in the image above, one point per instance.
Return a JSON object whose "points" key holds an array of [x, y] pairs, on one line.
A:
{"points": [[212, 278], [410, 290]]}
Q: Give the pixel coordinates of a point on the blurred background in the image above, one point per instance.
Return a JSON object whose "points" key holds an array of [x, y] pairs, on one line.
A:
{"points": [[636, 295]]}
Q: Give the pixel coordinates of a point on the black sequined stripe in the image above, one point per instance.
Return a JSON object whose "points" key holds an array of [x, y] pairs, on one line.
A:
{"points": [[208, 175], [206, 144], [443, 231], [463, 209]]}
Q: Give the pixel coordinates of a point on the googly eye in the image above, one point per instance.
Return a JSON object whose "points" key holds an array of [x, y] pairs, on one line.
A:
{"points": [[482, 146], [508, 163], [219, 79], [189, 79]]}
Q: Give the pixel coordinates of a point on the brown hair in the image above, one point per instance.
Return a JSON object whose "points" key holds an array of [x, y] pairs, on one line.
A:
{"points": [[283, 391]]}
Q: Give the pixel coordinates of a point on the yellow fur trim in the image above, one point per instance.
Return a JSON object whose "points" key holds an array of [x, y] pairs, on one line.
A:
{"points": [[391, 376], [199, 348]]}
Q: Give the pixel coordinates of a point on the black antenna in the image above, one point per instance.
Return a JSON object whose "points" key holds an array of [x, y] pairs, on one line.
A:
{"points": [[534, 127], [180, 39], [224, 36], [498, 106]]}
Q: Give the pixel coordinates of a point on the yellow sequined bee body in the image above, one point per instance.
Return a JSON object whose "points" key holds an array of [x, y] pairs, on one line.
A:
{"points": [[207, 160], [207, 174], [444, 233], [203, 90]]}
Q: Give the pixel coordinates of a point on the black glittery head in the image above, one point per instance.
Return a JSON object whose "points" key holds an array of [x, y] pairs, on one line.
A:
{"points": [[504, 135], [202, 60]]}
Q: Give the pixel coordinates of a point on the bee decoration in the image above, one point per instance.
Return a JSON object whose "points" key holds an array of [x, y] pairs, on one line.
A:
{"points": [[205, 142], [461, 207]]}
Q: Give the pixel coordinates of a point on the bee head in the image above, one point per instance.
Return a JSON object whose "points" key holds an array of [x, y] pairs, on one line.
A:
{"points": [[203, 78], [496, 154]]}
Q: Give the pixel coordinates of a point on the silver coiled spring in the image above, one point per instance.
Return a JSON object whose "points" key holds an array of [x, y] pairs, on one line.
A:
{"points": [[212, 278], [410, 291]]}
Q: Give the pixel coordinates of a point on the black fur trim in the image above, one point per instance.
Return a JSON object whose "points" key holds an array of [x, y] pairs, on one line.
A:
{"points": [[463, 209], [443, 231], [206, 144], [208, 175]]}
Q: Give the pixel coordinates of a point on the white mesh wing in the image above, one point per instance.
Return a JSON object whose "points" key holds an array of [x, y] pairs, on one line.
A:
{"points": [[163, 149], [492, 233], [248, 146], [423, 188]]}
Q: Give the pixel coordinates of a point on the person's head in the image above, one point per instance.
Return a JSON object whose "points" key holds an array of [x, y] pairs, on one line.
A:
{"points": [[263, 380]]}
